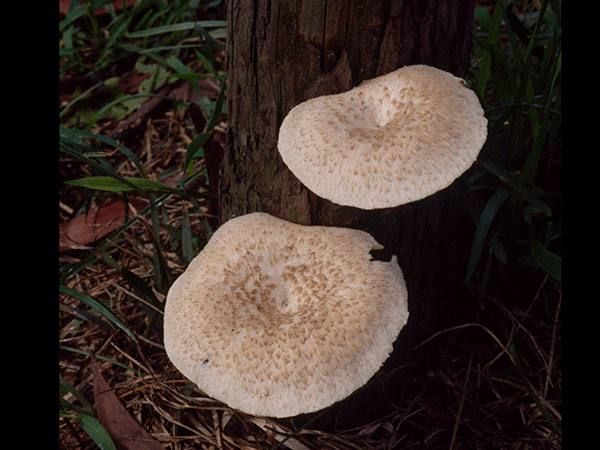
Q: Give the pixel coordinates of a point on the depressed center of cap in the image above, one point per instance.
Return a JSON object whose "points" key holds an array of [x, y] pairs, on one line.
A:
{"points": [[279, 319], [389, 141]]}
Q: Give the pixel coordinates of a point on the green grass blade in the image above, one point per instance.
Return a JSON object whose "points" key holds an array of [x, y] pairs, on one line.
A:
{"points": [[107, 183], [163, 48], [548, 261], [145, 295], [556, 13], [492, 37], [147, 14], [140, 288], [475, 212], [98, 307], [206, 62], [150, 53], [106, 108], [185, 26], [194, 150], [96, 431], [514, 42], [102, 358], [183, 71], [207, 41], [482, 15], [74, 13], [218, 109], [534, 119], [116, 33], [505, 82], [78, 98], [64, 147], [190, 76], [177, 65], [70, 270], [532, 161], [78, 134], [161, 272], [531, 390], [517, 186], [187, 245], [481, 232], [66, 388]]}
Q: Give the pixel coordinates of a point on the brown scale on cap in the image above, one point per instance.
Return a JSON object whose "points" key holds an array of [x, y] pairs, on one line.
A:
{"points": [[295, 319], [392, 140]]}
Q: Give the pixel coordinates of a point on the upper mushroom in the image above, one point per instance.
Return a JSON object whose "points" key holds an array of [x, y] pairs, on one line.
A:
{"points": [[391, 140], [278, 319]]}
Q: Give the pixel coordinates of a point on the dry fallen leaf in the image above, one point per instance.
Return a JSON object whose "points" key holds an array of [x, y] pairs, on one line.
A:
{"points": [[118, 5], [125, 431], [85, 229]]}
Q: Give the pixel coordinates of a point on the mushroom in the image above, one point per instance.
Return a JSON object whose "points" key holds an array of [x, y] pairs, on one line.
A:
{"points": [[391, 140], [278, 319]]}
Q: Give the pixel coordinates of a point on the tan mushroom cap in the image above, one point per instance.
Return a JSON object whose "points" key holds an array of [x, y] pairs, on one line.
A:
{"points": [[391, 140], [278, 319]]}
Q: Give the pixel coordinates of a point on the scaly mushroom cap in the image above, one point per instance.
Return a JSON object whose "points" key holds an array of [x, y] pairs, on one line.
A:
{"points": [[278, 319], [391, 140]]}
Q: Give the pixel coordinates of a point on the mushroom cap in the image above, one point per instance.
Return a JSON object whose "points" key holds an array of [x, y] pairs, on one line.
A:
{"points": [[391, 140], [278, 319]]}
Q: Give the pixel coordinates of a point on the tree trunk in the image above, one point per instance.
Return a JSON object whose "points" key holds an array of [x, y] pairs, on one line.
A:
{"points": [[281, 53]]}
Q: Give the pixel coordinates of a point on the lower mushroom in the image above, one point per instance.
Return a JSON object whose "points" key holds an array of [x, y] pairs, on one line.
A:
{"points": [[278, 319]]}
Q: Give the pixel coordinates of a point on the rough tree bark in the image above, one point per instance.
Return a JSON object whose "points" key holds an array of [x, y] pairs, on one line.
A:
{"points": [[281, 53]]}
